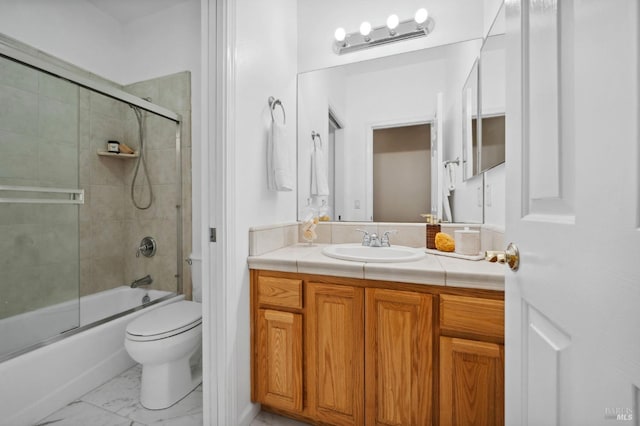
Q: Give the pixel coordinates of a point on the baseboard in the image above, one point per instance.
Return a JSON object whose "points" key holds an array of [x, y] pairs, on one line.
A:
{"points": [[248, 414]]}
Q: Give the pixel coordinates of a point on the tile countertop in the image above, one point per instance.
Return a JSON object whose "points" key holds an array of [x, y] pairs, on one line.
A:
{"points": [[432, 269]]}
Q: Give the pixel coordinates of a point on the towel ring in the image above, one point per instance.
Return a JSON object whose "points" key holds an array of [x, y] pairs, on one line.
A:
{"points": [[315, 135], [273, 102]]}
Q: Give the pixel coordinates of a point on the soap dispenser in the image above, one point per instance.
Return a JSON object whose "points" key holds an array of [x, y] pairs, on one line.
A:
{"points": [[309, 217], [433, 227]]}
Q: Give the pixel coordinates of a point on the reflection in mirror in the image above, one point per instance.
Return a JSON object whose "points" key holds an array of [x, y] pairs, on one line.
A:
{"points": [[470, 123], [352, 106], [492, 96]]}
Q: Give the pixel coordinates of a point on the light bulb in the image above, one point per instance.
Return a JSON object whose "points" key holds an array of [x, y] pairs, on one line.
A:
{"points": [[421, 16], [340, 34], [392, 22], [365, 28]]}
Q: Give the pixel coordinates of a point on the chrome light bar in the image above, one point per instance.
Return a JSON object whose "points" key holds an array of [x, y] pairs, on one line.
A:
{"points": [[378, 36]]}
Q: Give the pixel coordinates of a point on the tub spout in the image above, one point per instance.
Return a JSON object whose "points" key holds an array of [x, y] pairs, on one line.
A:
{"points": [[142, 281]]}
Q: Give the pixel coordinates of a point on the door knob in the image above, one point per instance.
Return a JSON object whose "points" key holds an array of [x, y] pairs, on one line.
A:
{"points": [[511, 256]]}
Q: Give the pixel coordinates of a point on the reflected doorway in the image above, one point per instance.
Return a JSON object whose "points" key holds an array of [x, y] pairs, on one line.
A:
{"points": [[401, 173]]}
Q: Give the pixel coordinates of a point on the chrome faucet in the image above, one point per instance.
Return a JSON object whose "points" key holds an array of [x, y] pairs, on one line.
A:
{"points": [[142, 281], [366, 239], [384, 240], [374, 240]]}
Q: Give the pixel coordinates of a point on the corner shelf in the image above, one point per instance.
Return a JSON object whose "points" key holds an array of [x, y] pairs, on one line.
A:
{"points": [[118, 155]]}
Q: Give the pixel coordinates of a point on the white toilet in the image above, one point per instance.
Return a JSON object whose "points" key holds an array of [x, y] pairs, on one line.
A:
{"points": [[168, 343]]}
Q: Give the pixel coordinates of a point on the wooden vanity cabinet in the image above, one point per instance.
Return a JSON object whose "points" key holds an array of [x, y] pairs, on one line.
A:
{"points": [[399, 361], [471, 388], [343, 351], [278, 374], [334, 336]]}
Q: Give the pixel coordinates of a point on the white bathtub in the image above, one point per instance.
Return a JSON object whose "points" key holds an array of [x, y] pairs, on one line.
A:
{"points": [[39, 382]]}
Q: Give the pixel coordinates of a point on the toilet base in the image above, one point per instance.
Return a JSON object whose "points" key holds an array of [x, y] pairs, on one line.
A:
{"points": [[165, 384]]}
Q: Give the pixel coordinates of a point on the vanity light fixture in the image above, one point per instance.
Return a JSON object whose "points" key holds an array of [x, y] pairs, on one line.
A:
{"points": [[395, 30]]}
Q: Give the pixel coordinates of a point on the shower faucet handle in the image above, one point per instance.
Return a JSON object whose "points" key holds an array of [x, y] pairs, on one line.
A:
{"points": [[147, 247]]}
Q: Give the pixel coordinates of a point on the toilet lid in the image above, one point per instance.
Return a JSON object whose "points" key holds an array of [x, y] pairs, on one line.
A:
{"points": [[166, 321]]}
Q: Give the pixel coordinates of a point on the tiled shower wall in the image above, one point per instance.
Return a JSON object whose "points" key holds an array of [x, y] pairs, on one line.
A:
{"points": [[111, 227], [172, 92]]}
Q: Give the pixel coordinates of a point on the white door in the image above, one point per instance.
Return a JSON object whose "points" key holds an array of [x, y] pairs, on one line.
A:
{"points": [[573, 209], [437, 164]]}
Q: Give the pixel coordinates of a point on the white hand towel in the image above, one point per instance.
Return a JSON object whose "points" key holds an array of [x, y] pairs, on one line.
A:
{"points": [[279, 177], [319, 176]]}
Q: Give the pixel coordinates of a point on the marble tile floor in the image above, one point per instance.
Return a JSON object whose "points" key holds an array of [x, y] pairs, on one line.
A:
{"points": [[116, 403]]}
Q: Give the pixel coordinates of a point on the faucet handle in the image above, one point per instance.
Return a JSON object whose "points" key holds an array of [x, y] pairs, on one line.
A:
{"points": [[384, 241], [366, 238]]}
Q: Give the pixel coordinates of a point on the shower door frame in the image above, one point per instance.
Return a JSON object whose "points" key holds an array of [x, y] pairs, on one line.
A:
{"points": [[40, 61]]}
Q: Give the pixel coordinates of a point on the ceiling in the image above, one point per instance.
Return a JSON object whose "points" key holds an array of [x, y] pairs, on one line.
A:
{"points": [[125, 11]]}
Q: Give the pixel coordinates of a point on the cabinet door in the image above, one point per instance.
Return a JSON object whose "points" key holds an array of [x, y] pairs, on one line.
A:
{"points": [[280, 359], [471, 382], [335, 353], [399, 347]]}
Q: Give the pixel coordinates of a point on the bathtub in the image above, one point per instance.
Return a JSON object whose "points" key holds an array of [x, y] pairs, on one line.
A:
{"points": [[43, 380]]}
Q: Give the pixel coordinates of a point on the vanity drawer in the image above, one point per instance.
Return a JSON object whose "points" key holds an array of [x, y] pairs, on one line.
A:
{"points": [[285, 292], [472, 315]]}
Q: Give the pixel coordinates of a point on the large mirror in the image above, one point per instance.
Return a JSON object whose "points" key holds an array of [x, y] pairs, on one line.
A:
{"points": [[365, 133]]}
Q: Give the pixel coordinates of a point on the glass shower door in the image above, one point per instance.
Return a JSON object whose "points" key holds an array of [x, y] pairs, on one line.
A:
{"points": [[39, 206]]}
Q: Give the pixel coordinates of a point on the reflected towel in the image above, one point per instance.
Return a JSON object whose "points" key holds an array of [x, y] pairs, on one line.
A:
{"points": [[449, 178], [446, 205], [449, 184], [319, 177], [279, 177]]}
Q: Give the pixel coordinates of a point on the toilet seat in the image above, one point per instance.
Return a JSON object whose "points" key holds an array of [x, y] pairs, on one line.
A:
{"points": [[165, 322]]}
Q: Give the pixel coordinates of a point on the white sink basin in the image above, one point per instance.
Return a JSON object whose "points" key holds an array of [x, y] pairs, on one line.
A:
{"points": [[360, 253]]}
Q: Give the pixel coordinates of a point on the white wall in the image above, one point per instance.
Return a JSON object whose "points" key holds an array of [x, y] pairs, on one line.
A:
{"points": [[455, 20], [163, 43], [266, 65], [74, 31], [77, 32]]}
